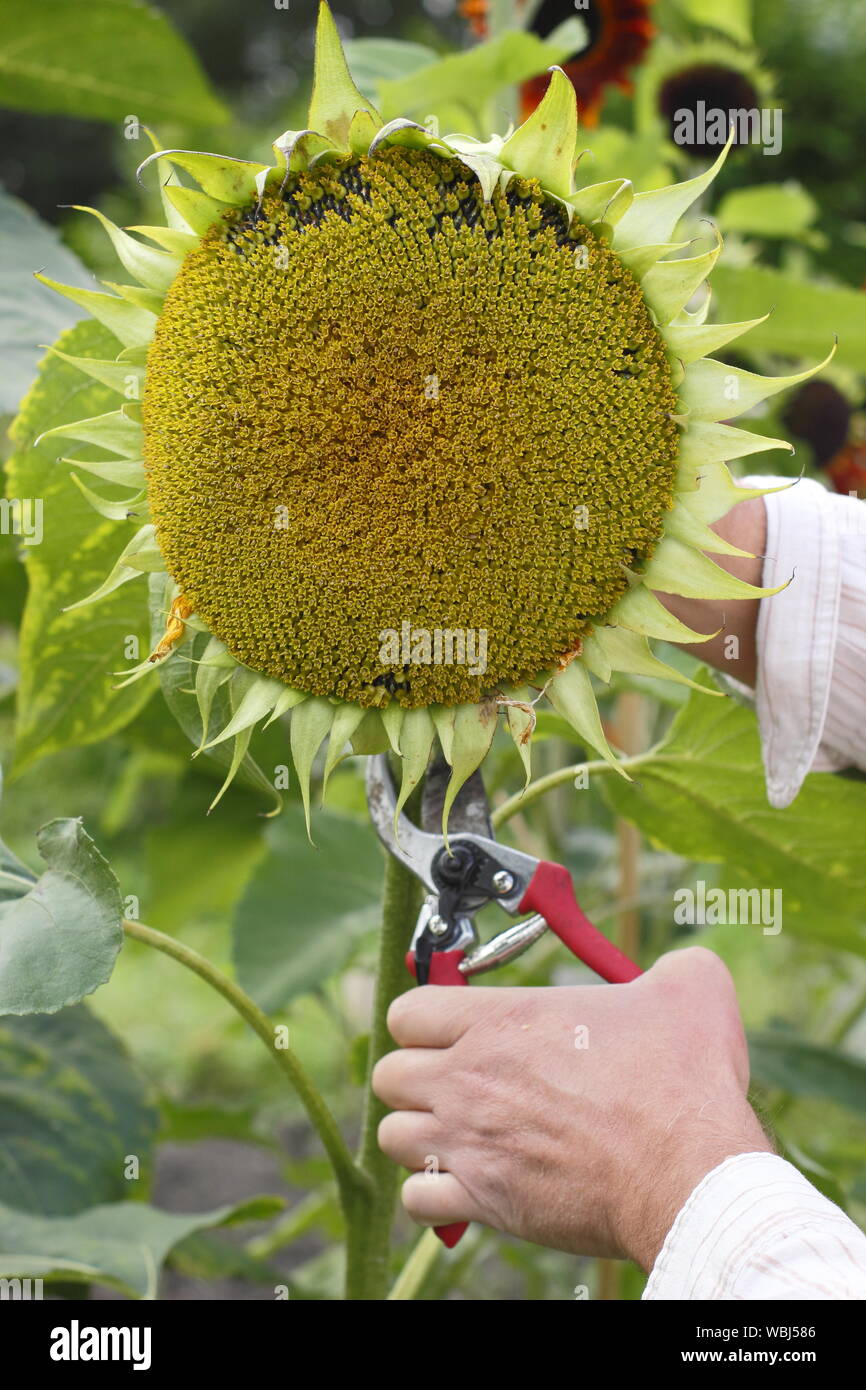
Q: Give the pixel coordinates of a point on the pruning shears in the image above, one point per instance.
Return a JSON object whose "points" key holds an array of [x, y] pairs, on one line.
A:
{"points": [[464, 874]]}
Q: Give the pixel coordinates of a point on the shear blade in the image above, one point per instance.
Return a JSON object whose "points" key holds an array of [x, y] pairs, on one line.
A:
{"points": [[470, 813]]}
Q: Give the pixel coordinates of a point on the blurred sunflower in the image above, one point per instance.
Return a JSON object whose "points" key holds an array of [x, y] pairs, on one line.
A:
{"points": [[619, 33], [710, 75], [397, 386]]}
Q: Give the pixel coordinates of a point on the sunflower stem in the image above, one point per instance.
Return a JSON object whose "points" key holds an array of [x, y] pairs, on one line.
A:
{"points": [[517, 803], [350, 1180], [372, 1213]]}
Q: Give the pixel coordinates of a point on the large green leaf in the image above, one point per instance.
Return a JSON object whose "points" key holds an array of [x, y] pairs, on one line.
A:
{"points": [[102, 59], [122, 1244], [473, 78], [298, 920], [774, 210], [29, 315], [701, 794], [803, 1068], [372, 61], [805, 317], [65, 694], [60, 933], [73, 1109]]}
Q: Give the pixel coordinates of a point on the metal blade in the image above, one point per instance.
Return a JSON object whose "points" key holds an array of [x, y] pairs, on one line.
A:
{"points": [[470, 813]]}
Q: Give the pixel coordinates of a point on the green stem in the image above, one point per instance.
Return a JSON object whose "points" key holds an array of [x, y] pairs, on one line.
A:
{"points": [[562, 775], [372, 1214], [350, 1180], [413, 1276]]}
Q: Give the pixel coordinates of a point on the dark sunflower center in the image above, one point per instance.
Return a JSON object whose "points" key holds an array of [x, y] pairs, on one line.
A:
{"points": [[379, 408]]}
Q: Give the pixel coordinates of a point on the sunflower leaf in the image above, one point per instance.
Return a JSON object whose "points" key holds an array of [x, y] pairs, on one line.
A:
{"points": [[66, 696]]}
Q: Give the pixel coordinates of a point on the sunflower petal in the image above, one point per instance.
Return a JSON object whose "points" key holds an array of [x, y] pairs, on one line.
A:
{"points": [[242, 743], [118, 376], [115, 431], [654, 216], [409, 135], [443, 718], [311, 723], [686, 526], [571, 694], [287, 700], [676, 568], [155, 269], [520, 721], [198, 211], [474, 727], [228, 180], [629, 653], [111, 510], [215, 668], [602, 202], [544, 146], [417, 735], [718, 492], [335, 97], [362, 132], [258, 700], [141, 556], [130, 324], [126, 472], [707, 443], [392, 719], [642, 259], [715, 391], [178, 244], [641, 612], [691, 341], [346, 720], [669, 285]]}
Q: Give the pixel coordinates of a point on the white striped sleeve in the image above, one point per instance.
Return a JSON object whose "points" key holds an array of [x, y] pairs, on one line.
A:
{"points": [[754, 1228], [811, 691]]}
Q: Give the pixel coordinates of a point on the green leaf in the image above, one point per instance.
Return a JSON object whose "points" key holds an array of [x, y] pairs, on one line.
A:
{"points": [[66, 659], [774, 210], [122, 1245], [73, 1108], [472, 78], [177, 677], [232, 848], [299, 919], [100, 59], [805, 316], [372, 61], [60, 934], [30, 316], [803, 1068], [701, 794]]}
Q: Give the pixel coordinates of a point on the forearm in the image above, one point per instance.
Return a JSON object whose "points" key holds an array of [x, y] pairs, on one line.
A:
{"points": [[734, 648]]}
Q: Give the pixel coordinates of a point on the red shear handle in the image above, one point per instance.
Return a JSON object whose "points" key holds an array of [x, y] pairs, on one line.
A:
{"points": [[445, 970], [551, 893]]}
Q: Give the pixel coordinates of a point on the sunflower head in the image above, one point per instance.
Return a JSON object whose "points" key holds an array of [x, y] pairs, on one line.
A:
{"points": [[424, 430]]}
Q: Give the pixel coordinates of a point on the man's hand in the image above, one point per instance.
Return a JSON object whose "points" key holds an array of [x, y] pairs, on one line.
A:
{"points": [[578, 1118]]}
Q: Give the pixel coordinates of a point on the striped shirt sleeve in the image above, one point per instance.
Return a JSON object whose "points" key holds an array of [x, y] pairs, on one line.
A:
{"points": [[811, 691], [754, 1228]]}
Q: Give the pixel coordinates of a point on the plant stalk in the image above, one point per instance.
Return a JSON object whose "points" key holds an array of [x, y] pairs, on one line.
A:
{"points": [[372, 1213], [350, 1180]]}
